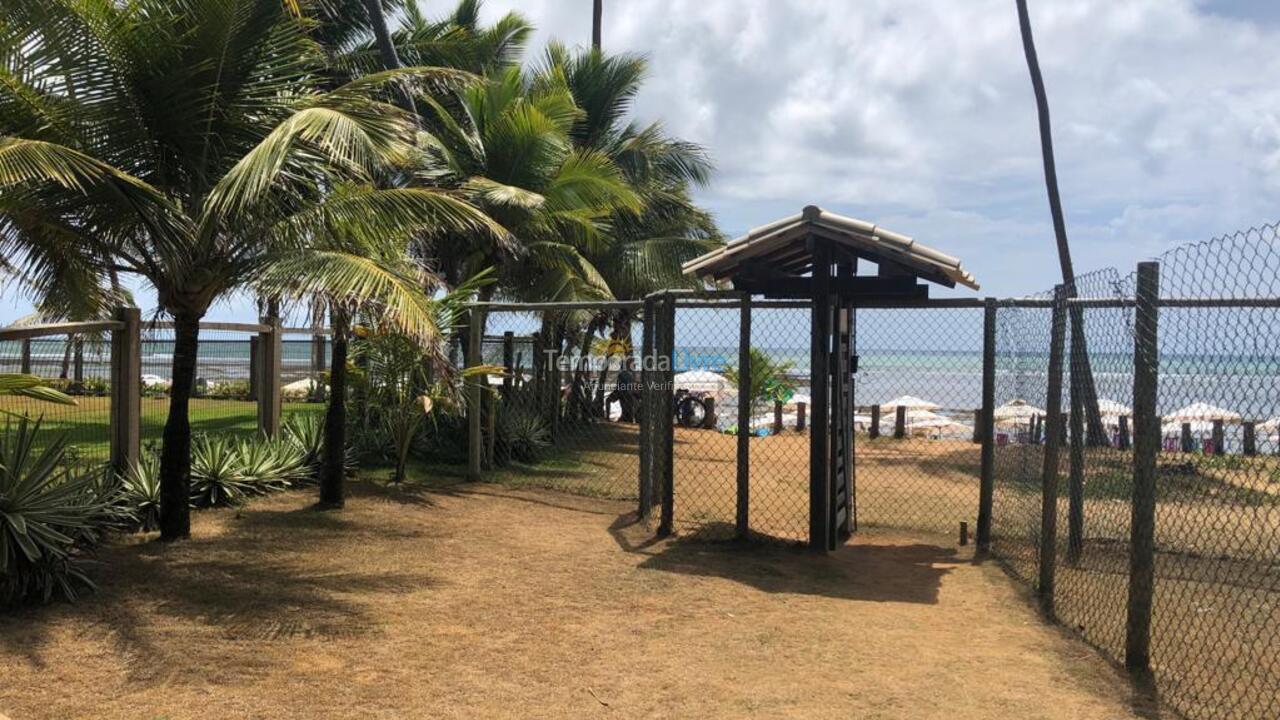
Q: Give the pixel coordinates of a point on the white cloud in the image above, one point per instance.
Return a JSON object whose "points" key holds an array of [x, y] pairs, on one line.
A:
{"points": [[1167, 122]]}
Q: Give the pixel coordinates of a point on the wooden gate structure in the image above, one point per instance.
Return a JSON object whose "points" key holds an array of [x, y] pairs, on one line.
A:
{"points": [[814, 256]]}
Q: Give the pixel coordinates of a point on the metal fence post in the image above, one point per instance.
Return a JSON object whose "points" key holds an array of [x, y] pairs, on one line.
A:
{"points": [[126, 389], [1052, 446], [475, 440], [647, 411], [270, 345], [1146, 444], [743, 520], [985, 428]]}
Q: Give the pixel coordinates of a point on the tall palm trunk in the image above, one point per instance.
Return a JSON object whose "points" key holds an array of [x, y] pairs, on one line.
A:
{"points": [[1082, 383], [334, 466], [386, 47], [175, 452], [597, 16]]}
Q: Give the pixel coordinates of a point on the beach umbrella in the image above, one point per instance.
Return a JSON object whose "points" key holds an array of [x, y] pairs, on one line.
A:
{"points": [[702, 381], [1201, 411], [1270, 426], [1017, 412], [800, 398], [910, 402]]}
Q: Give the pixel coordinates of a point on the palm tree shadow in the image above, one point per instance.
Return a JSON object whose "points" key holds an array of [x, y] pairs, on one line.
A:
{"points": [[862, 570]]}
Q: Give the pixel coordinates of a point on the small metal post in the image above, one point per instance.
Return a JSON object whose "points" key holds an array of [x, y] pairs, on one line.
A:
{"points": [[1075, 481], [648, 409], [1146, 444], [668, 411], [1052, 446], [986, 486]]}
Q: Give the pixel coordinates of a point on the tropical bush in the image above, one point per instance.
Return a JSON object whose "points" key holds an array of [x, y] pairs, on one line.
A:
{"points": [[305, 432], [269, 465], [50, 514]]}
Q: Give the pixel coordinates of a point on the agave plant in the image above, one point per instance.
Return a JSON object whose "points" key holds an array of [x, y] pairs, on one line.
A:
{"points": [[268, 465], [306, 433], [48, 514], [523, 435], [216, 477], [140, 491]]}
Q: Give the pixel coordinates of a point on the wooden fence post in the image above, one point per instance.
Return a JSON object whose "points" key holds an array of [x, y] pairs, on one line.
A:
{"points": [[801, 411], [743, 523], [900, 423], [648, 407], [1075, 481], [1188, 444], [667, 411], [985, 428], [977, 426], [1218, 437], [270, 346], [508, 361], [1250, 442], [1052, 446], [25, 357], [77, 365], [475, 439], [126, 389], [1123, 442], [255, 366], [873, 432], [777, 417], [1146, 444]]}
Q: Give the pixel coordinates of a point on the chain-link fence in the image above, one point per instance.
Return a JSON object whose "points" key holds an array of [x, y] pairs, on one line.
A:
{"points": [[1167, 558]]}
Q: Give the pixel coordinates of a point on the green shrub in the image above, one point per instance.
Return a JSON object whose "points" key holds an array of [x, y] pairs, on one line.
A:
{"points": [[49, 514], [522, 436]]}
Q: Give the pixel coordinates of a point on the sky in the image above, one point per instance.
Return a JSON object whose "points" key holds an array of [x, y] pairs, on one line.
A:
{"points": [[918, 115]]}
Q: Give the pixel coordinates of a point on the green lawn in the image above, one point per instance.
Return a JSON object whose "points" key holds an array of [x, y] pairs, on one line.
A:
{"points": [[88, 424]]}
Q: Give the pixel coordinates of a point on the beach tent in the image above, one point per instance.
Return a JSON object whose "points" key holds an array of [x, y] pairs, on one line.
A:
{"points": [[1201, 411], [815, 257], [1112, 408]]}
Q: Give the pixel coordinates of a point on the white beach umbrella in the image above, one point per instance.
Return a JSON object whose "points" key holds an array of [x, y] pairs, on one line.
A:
{"points": [[1017, 412], [1270, 426], [1201, 411], [800, 398], [910, 402], [702, 381]]}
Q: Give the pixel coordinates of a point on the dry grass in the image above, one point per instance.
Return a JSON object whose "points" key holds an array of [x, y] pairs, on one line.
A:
{"points": [[485, 601]]}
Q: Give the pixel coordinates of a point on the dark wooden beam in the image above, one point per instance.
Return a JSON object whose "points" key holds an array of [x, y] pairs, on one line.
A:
{"points": [[781, 286]]}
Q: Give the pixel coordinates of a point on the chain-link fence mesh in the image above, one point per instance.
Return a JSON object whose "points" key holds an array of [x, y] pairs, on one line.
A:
{"points": [[1214, 618], [79, 365], [918, 388], [224, 397], [564, 413]]}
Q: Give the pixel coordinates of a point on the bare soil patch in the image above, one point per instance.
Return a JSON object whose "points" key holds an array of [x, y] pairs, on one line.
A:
{"points": [[486, 601]]}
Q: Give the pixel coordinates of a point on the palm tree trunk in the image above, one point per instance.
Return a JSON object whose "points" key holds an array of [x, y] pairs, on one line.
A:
{"points": [[597, 17], [334, 466], [1082, 382], [175, 451], [386, 47]]}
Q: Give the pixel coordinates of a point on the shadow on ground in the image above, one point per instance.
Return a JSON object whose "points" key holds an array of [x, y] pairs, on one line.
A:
{"points": [[863, 570]]}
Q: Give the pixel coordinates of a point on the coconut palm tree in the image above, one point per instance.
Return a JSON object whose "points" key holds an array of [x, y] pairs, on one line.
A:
{"points": [[1084, 391], [191, 142], [354, 273]]}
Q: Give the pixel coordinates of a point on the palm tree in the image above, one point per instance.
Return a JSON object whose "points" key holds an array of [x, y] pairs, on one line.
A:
{"points": [[190, 142], [597, 18], [354, 272], [1083, 388]]}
